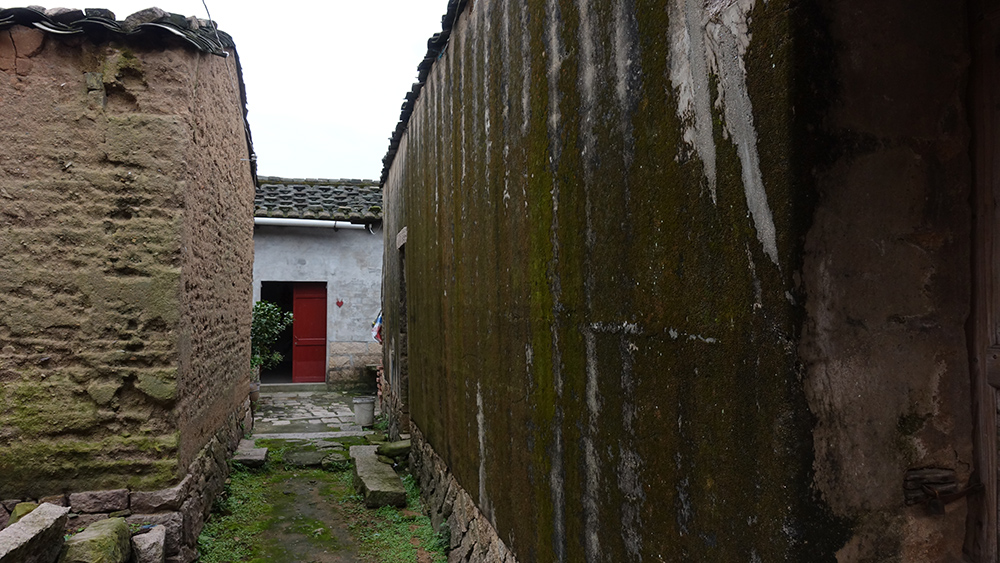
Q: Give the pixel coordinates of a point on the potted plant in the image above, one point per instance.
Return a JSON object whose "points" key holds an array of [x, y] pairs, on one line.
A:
{"points": [[268, 321]]}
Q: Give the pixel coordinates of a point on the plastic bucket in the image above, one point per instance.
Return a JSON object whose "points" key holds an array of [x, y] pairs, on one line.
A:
{"points": [[364, 411]]}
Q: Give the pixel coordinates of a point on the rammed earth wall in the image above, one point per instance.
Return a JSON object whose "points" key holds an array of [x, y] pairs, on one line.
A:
{"points": [[687, 280], [126, 198]]}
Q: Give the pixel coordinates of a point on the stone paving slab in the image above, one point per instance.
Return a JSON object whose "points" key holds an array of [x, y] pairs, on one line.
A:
{"points": [[250, 455], [376, 481], [312, 435]]}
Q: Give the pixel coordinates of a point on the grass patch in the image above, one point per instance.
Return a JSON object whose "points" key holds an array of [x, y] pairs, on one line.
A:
{"points": [[238, 517], [255, 501], [382, 423], [391, 535]]}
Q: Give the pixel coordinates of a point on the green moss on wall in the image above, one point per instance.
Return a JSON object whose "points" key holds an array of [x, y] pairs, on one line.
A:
{"points": [[577, 300]]}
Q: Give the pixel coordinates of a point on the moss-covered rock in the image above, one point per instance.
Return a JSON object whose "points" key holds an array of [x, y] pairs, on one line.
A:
{"points": [[104, 541], [21, 510]]}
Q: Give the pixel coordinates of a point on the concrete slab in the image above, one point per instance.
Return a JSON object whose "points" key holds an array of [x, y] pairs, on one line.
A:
{"points": [[376, 481]]}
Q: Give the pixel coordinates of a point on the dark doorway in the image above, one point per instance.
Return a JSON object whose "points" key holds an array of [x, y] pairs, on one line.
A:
{"points": [[279, 293]]}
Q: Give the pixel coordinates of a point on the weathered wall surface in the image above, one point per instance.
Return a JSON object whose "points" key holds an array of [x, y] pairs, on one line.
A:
{"points": [[126, 249], [690, 277], [887, 275], [602, 241], [350, 262]]}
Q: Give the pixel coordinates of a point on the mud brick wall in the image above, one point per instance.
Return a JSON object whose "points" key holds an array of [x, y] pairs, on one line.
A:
{"points": [[125, 255], [688, 278]]}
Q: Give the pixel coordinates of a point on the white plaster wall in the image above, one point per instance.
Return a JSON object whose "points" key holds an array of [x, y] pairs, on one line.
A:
{"points": [[348, 260]]}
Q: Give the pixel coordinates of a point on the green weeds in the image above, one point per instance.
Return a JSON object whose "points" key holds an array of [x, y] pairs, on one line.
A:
{"points": [[238, 516], [237, 529]]}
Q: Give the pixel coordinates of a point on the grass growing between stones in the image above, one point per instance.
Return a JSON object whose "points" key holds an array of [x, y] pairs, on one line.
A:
{"points": [[392, 535], [238, 517], [281, 514]]}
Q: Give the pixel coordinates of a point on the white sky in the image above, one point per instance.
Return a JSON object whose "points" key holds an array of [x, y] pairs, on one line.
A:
{"points": [[325, 79]]}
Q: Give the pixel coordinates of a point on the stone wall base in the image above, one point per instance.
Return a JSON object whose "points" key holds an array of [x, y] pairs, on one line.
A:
{"points": [[181, 509], [396, 409], [472, 537], [352, 365]]}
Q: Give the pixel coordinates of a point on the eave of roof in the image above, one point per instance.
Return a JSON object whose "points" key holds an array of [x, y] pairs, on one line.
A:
{"points": [[435, 45], [354, 201], [201, 34]]}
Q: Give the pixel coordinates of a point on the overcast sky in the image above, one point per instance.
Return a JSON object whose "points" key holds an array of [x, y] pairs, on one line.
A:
{"points": [[325, 79]]}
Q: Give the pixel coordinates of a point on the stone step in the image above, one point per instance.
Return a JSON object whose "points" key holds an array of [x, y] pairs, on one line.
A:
{"points": [[293, 388], [249, 454], [376, 481]]}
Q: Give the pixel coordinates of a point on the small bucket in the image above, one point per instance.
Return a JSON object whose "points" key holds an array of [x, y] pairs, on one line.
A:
{"points": [[364, 411]]}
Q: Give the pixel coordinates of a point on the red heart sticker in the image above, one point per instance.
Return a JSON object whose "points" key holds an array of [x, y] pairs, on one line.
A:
{"points": [[340, 302]]}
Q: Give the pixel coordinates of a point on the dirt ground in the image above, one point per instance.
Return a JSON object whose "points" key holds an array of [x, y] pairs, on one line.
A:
{"points": [[307, 527]]}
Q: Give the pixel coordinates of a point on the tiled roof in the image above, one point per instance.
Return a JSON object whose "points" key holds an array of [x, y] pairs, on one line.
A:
{"points": [[201, 34], [356, 201]]}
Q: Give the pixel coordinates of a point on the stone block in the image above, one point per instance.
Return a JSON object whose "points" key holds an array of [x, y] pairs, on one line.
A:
{"points": [[335, 461], [340, 363], [173, 522], [162, 500], [79, 522], [99, 501], [149, 547], [376, 481], [305, 458], [58, 500], [394, 449], [4, 516], [193, 518], [253, 457], [36, 538], [105, 541], [21, 510]]}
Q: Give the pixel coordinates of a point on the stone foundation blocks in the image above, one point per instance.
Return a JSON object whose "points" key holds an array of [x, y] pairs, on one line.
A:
{"points": [[106, 541], [149, 547], [99, 501], [452, 510], [36, 538]]}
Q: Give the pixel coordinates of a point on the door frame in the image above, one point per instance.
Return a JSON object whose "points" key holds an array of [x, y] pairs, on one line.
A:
{"points": [[984, 319]]}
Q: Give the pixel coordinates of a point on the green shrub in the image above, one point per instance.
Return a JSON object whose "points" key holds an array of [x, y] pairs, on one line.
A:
{"points": [[268, 323]]}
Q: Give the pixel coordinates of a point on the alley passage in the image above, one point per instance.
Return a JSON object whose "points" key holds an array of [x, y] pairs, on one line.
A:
{"points": [[301, 506]]}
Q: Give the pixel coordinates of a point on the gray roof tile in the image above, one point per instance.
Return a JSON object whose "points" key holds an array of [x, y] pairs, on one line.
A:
{"points": [[357, 201], [200, 34]]}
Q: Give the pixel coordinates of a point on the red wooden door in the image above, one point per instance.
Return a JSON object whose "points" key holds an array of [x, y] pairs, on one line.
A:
{"points": [[309, 333]]}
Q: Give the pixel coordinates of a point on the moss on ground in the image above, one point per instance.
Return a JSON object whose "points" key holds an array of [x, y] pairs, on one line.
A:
{"points": [[259, 506]]}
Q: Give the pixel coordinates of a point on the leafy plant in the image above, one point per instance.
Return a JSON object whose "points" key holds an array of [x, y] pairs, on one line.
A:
{"points": [[268, 323]]}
